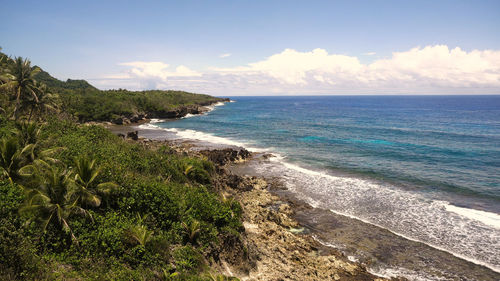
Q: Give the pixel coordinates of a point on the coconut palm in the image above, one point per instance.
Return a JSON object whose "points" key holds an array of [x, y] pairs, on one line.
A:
{"points": [[47, 101], [88, 190], [138, 234], [13, 157], [28, 133], [22, 81], [191, 230], [48, 199], [44, 102], [5, 77]]}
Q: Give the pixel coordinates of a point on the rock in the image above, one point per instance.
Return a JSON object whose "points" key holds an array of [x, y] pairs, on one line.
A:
{"points": [[280, 248], [223, 156], [233, 181], [133, 135], [135, 118], [193, 109], [118, 121]]}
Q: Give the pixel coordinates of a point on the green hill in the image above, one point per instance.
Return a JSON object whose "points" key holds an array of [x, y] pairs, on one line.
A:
{"points": [[54, 83], [80, 203], [87, 103]]}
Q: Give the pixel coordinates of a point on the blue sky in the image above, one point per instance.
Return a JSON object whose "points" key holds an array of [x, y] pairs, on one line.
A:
{"points": [[113, 43]]}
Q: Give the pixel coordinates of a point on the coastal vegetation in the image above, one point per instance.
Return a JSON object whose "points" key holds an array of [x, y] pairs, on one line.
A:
{"points": [[77, 202]]}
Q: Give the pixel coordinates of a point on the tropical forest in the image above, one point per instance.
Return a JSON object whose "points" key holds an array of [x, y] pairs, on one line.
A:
{"points": [[80, 203]]}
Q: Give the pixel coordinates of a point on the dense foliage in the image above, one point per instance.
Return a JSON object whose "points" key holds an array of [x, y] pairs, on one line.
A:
{"points": [[92, 104], [85, 102], [77, 202]]}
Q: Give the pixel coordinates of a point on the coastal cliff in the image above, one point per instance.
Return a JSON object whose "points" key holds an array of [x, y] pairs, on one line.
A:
{"points": [[175, 113]]}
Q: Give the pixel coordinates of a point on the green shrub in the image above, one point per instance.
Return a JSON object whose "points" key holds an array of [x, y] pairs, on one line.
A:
{"points": [[17, 254], [187, 259], [180, 206]]}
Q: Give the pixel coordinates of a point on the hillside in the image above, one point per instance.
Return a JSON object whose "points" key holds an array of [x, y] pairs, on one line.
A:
{"points": [[87, 103], [56, 84], [79, 203]]}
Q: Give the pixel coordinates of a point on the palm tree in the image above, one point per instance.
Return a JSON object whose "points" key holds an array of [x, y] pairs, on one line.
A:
{"points": [[28, 133], [138, 234], [23, 82], [13, 157], [192, 230], [47, 101], [5, 77], [88, 190], [49, 200]]}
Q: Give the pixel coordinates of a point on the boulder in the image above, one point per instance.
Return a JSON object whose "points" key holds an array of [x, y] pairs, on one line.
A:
{"points": [[133, 135], [223, 156], [118, 121], [135, 118]]}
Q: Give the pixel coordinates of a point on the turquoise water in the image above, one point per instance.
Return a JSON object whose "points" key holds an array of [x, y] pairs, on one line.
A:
{"points": [[425, 167]]}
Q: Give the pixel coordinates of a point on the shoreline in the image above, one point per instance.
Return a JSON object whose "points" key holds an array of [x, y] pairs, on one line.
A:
{"points": [[279, 247], [383, 252], [303, 216]]}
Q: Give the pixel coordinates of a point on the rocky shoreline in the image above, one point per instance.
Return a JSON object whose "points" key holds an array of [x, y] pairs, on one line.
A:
{"points": [[274, 246], [281, 242]]}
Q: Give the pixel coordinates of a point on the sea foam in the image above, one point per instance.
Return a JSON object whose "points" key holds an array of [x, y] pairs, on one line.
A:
{"points": [[407, 214], [187, 134], [488, 218]]}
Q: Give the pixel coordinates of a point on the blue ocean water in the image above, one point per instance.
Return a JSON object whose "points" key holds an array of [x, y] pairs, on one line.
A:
{"points": [[425, 167], [449, 143]]}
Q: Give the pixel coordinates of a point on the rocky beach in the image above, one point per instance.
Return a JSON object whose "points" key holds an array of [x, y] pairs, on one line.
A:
{"points": [[288, 238], [275, 245]]}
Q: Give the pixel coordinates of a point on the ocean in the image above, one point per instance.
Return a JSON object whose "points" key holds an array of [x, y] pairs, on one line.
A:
{"points": [[426, 168]]}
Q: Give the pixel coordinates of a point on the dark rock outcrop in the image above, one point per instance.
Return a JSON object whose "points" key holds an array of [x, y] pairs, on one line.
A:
{"points": [[178, 112], [223, 156], [117, 121], [133, 135], [121, 120], [137, 117]]}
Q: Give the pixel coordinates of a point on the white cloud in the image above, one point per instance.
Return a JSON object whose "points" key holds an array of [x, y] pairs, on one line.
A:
{"points": [[159, 70], [293, 67], [429, 70], [225, 55], [369, 53], [151, 75]]}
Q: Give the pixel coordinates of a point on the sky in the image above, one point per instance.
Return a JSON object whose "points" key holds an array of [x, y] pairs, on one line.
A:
{"points": [[268, 47]]}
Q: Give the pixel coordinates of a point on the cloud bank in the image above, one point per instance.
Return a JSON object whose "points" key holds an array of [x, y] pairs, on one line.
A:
{"points": [[428, 70]]}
